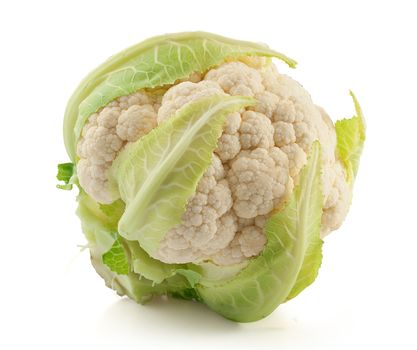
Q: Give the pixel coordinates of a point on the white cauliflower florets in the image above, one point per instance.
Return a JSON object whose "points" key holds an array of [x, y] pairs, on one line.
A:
{"points": [[256, 131], [247, 243], [254, 168], [207, 224], [298, 123], [258, 180], [183, 93], [236, 78], [135, 122], [228, 145], [337, 202], [105, 134]]}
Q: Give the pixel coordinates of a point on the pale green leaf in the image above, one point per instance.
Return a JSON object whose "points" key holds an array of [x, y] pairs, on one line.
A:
{"points": [[212, 274], [155, 270], [350, 140], [193, 277], [311, 265], [97, 227], [152, 63], [113, 213], [268, 279]]}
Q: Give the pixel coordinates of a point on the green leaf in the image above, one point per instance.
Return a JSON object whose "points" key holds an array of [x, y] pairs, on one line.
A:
{"points": [[115, 259], [106, 216], [95, 224], [65, 173], [192, 276], [186, 294], [212, 274], [268, 279], [350, 140], [155, 270], [311, 265], [157, 174], [113, 212], [100, 237], [97, 227], [152, 63]]}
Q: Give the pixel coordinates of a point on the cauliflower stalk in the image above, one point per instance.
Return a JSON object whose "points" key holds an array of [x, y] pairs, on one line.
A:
{"points": [[206, 174]]}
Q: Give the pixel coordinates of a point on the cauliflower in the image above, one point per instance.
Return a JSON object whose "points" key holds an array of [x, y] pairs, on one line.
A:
{"points": [[224, 146]]}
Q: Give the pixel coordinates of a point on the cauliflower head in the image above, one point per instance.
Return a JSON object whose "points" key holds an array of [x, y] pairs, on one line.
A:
{"points": [[255, 165], [195, 160]]}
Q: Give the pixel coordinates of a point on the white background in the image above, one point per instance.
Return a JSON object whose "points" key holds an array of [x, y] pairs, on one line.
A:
{"points": [[365, 295]]}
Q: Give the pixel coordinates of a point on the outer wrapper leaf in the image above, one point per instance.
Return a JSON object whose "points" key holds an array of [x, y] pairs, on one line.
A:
{"points": [[98, 228], [350, 140], [269, 279], [155, 270], [311, 265], [153, 63]]}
